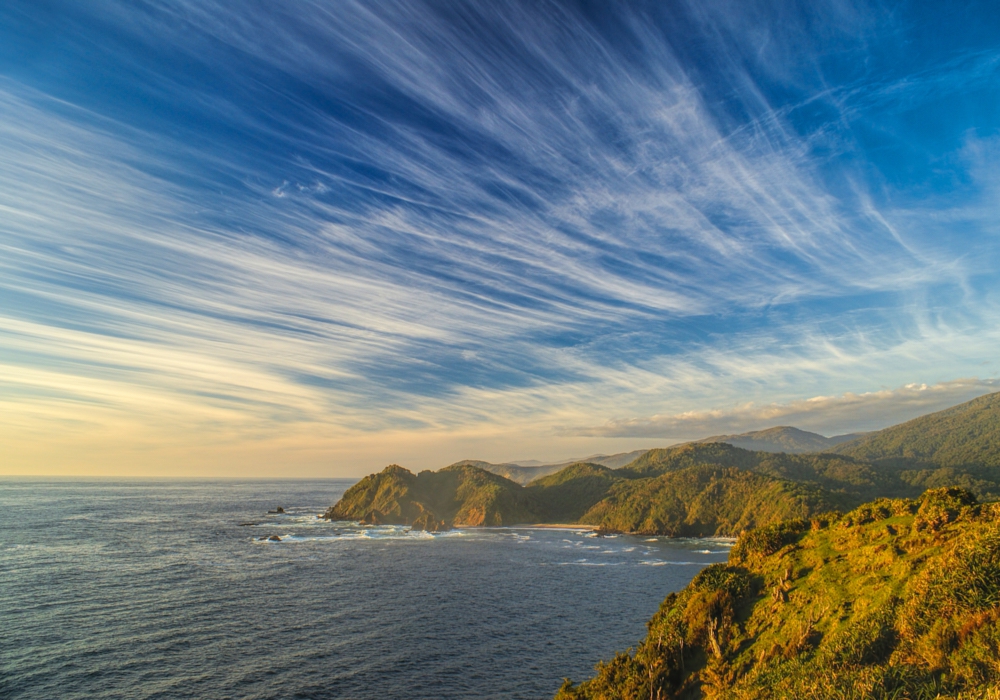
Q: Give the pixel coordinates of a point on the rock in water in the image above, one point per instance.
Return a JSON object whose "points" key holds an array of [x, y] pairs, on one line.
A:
{"points": [[428, 523], [606, 531], [274, 538]]}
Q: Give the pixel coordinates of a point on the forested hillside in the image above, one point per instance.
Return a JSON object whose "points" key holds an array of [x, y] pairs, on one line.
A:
{"points": [[705, 500], [570, 493], [704, 488], [964, 436], [454, 496]]}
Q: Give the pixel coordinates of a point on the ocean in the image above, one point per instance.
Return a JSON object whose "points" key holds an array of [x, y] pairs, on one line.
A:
{"points": [[154, 589]]}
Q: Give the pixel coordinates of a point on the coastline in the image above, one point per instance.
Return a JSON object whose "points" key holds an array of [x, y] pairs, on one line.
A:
{"points": [[529, 526], [556, 526]]}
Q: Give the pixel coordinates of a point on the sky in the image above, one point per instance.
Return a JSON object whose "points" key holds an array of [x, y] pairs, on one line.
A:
{"points": [[313, 237]]}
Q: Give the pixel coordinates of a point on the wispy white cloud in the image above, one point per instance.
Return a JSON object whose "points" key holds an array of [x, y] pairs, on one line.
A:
{"points": [[395, 217], [831, 414]]}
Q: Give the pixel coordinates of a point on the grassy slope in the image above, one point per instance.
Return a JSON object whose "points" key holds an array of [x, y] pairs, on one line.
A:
{"points": [[897, 599]]}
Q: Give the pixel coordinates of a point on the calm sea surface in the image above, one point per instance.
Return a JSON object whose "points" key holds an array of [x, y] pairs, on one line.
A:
{"points": [[152, 589]]}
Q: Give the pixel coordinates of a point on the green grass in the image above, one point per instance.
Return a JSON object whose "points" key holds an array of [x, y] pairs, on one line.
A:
{"points": [[896, 599]]}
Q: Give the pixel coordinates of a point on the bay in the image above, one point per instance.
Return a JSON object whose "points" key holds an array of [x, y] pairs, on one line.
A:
{"points": [[153, 589]]}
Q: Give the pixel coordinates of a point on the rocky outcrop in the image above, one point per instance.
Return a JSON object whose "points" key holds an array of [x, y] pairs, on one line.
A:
{"points": [[432, 501], [429, 523]]}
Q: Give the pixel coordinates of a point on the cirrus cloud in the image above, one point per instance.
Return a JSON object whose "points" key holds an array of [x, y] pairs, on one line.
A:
{"points": [[832, 415]]}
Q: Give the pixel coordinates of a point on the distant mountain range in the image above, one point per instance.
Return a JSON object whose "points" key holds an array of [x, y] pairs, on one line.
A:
{"points": [[709, 487], [528, 470], [779, 439], [783, 439]]}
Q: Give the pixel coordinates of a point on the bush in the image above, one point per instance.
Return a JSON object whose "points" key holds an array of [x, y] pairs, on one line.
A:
{"points": [[939, 507], [764, 541], [719, 577]]}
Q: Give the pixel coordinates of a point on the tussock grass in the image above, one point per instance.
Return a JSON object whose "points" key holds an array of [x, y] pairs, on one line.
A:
{"points": [[897, 598]]}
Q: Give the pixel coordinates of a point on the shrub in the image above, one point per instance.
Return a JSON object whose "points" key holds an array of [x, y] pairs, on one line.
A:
{"points": [[939, 507], [719, 577], [764, 541]]}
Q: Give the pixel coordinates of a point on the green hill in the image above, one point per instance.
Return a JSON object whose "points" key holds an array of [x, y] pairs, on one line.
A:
{"points": [[705, 500], [523, 473], [453, 496], [701, 488], [699, 500], [616, 460], [566, 495], [692, 490], [515, 472], [896, 599], [661, 460], [706, 489], [964, 436], [836, 472]]}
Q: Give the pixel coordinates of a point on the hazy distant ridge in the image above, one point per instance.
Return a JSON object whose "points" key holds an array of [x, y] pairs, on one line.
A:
{"points": [[778, 439], [525, 471], [783, 438]]}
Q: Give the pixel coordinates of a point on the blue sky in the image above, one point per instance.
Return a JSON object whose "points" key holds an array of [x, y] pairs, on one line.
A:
{"points": [[315, 237]]}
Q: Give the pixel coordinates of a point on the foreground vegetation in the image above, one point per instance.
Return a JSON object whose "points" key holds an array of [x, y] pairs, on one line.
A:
{"points": [[898, 598]]}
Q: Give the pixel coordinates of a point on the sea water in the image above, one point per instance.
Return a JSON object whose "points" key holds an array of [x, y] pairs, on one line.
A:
{"points": [[158, 589]]}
